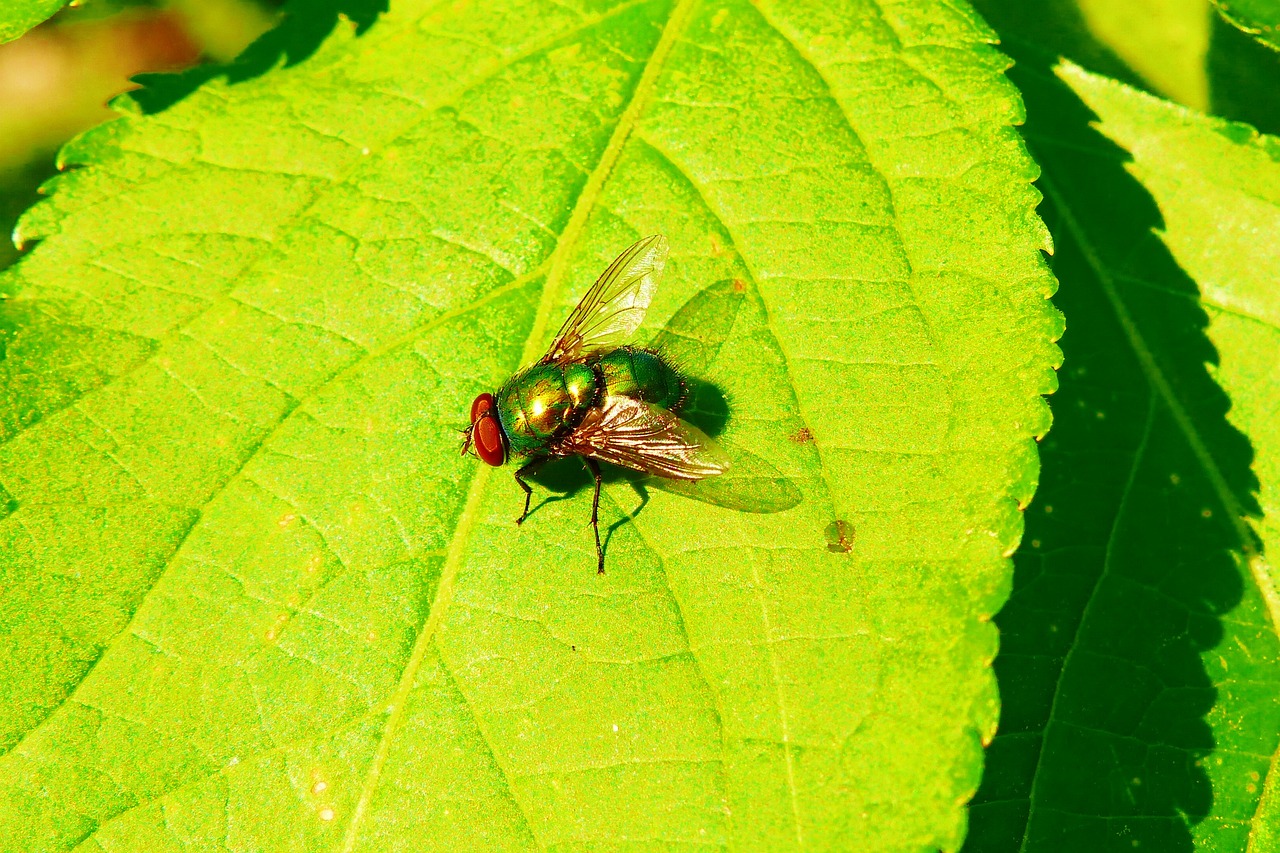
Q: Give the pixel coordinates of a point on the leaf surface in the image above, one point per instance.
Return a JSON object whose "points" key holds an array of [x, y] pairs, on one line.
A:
{"points": [[1140, 663], [253, 597], [18, 16]]}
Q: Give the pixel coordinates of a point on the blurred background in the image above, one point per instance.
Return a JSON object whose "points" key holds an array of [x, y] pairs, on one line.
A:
{"points": [[56, 80]]}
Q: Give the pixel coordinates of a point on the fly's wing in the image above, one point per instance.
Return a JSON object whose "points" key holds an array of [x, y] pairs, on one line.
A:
{"points": [[646, 438], [614, 306]]}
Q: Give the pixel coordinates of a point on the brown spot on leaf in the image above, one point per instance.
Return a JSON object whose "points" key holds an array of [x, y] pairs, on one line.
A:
{"points": [[840, 536], [739, 286], [802, 436]]}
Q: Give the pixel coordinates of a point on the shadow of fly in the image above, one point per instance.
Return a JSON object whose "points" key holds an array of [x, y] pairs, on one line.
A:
{"points": [[595, 397]]}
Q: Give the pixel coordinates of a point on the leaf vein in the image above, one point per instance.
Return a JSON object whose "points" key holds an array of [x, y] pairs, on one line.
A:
{"points": [[586, 200], [1074, 645], [768, 322], [697, 662]]}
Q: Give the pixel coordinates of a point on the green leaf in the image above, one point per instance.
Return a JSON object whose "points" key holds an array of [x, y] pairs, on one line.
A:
{"points": [[1258, 18], [1172, 48], [18, 16], [1140, 664], [1163, 41], [1155, 44], [253, 598], [1242, 76]]}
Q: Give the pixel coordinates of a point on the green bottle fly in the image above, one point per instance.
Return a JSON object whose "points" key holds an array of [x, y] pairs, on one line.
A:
{"points": [[593, 397]]}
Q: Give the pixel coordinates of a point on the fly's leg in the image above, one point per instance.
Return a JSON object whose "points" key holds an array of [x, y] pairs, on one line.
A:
{"points": [[528, 468], [594, 468]]}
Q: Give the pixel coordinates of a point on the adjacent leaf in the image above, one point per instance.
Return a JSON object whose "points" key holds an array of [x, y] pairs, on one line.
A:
{"points": [[1156, 44], [1172, 48], [1242, 75], [18, 16], [254, 599], [1140, 665], [1164, 41], [1060, 27], [1259, 18], [1218, 187]]}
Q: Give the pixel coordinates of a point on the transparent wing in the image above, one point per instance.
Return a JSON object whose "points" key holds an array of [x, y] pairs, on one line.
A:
{"points": [[646, 438], [614, 306]]}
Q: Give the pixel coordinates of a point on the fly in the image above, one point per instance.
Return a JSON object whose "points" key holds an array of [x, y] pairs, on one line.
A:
{"points": [[595, 397]]}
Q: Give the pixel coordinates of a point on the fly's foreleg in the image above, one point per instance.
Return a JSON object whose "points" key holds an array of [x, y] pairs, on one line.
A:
{"points": [[594, 468], [527, 468]]}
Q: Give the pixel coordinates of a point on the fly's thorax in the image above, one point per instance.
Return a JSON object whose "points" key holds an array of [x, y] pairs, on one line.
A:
{"points": [[543, 403], [580, 381], [642, 375]]}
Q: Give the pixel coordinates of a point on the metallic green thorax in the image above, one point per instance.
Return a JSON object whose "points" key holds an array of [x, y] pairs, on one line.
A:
{"points": [[545, 402]]}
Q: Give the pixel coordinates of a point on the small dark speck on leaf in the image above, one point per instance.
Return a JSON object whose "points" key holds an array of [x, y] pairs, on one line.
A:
{"points": [[839, 535], [739, 285], [802, 436]]}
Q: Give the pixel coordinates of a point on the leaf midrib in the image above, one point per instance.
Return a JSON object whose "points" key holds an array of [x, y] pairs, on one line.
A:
{"points": [[1267, 791], [1158, 381], [1160, 390], [583, 207], [487, 72], [1074, 644]]}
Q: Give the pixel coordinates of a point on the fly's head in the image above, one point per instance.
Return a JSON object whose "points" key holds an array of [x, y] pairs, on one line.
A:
{"points": [[484, 435]]}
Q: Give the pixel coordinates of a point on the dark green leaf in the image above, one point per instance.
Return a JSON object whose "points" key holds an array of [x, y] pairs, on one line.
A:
{"points": [[1140, 665], [1258, 18], [1244, 77]]}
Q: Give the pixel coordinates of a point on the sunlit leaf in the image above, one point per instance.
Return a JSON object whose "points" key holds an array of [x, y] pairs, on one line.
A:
{"points": [[253, 598]]}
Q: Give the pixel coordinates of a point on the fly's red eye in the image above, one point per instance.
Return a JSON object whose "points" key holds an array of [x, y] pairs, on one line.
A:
{"points": [[480, 405], [488, 436], [485, 431]]}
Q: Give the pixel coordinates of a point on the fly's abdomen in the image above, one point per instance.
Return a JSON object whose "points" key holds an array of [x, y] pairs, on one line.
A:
{"points": [[642, 375], [541, 404]]}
